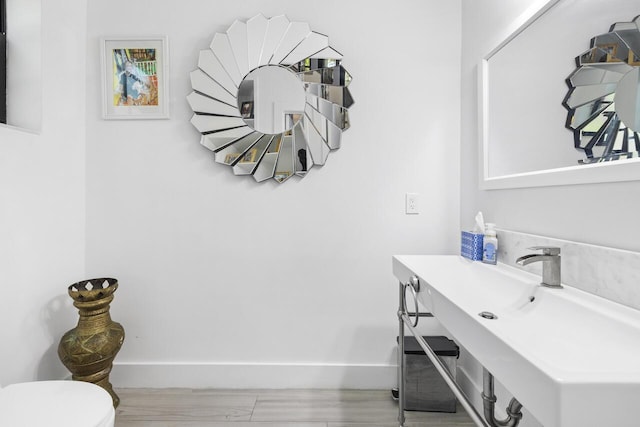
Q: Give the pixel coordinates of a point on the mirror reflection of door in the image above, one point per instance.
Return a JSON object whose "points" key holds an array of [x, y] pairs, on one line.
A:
{"points": [[271, 99], [22, 21]]}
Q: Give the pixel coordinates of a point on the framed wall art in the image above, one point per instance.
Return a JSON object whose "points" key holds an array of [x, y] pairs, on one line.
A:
{"points": [[135, 78], [247, 110]]}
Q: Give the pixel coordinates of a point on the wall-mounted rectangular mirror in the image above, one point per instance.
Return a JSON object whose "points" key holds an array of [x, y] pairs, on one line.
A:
{"points": [[524, 137]]}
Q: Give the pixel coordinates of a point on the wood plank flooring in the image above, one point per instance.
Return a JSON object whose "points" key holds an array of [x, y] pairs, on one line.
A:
{"points": [[271, 408]]}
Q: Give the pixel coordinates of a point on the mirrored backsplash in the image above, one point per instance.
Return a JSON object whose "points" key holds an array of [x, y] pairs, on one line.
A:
{"points": [[607, 272]]}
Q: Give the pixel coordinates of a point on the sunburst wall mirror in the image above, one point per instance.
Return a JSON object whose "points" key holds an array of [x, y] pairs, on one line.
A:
{"points": [[270, 98], [604, 95]]}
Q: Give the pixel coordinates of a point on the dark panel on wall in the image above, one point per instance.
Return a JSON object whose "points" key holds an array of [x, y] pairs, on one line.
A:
{"points": [[3, 78], [3, 61]]}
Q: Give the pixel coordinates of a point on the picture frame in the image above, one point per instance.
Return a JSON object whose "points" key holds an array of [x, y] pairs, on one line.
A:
{"points": [[135, 78], [246, 110]]}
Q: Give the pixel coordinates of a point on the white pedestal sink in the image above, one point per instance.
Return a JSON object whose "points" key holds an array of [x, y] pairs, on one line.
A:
{"points": [[571, 358]]}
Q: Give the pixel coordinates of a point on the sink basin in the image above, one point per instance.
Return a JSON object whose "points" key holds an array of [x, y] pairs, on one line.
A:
{"points": [[571, 358]]}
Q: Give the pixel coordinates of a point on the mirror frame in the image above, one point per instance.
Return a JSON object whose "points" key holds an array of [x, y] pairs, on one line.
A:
{"points": [[618, 171], [232, 56]]}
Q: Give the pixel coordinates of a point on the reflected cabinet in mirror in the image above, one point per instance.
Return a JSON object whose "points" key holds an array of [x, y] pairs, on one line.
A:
{"points": [[270, 98], [536, 131]]}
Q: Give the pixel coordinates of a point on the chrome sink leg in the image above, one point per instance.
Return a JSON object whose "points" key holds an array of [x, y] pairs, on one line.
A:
{"points": [[401, 396]]}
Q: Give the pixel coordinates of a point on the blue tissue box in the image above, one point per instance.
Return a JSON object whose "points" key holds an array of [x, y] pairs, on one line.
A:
{"points": [[471, 245]]}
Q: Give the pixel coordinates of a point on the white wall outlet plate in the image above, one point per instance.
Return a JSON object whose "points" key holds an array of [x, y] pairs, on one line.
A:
{"points": [[411, 204]]}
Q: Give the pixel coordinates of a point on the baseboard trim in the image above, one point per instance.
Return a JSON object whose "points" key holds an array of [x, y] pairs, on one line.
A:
{"points": [[256, 375]]}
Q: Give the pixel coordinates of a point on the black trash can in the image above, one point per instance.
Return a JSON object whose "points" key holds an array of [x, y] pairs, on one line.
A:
{"points": [[425, 389]]}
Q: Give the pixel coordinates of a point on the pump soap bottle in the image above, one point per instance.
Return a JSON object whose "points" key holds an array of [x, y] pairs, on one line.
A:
{"points": [[490, 245]]}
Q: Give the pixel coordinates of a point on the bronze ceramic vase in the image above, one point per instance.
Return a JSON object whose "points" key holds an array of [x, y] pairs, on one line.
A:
{"points": [[88, 349]]}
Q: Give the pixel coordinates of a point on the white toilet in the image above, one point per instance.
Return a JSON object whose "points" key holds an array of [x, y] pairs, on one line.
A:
{"points": [[56, 404]]}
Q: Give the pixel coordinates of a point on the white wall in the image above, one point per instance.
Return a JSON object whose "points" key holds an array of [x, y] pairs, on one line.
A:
{"points": [[219, 275], [593, 213], [42, 210]]}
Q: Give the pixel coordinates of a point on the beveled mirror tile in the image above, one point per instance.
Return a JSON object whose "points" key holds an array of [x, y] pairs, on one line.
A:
{"points": [[593, 76], [202, 104], [256, 33], [244, 168], [584, 94], [318, 120], [234, 153], [317, 146], [326, 109], [334, 76], [627, 99], [276, 29], [333, 112], [238, 41], [312, 100], [616, 49], [334, 136], [621, 26], [630, 39], [593, 56], [285, 164], [336, 94], [587, 113], [314, 42], [202, 83], [617, 67], [296, 33], [206, 124], [218, 140], [222, 50], [250, 160], [303, 160], [210, 64], [328, 53], [266, 168], [341, 117]]}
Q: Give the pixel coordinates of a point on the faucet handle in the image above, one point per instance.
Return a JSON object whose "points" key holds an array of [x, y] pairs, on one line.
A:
{"points": [[546, 250]]}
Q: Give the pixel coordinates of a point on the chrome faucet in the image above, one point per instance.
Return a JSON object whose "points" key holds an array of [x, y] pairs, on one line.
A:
{"points": [[550, 258]]}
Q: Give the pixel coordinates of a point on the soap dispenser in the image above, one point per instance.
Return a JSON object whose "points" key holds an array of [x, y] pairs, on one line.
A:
{"points": [[490, 245]]}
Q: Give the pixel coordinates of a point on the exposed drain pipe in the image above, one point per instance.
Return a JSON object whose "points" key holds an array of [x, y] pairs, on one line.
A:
{"points": [[489, 402]]}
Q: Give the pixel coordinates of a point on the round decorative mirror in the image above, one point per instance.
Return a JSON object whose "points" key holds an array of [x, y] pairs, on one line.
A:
{"points": [[604, 96], [270, 98]]}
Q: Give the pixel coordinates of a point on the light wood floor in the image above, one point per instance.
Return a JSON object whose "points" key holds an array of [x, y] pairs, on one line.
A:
{"points": [[271, 408]]}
